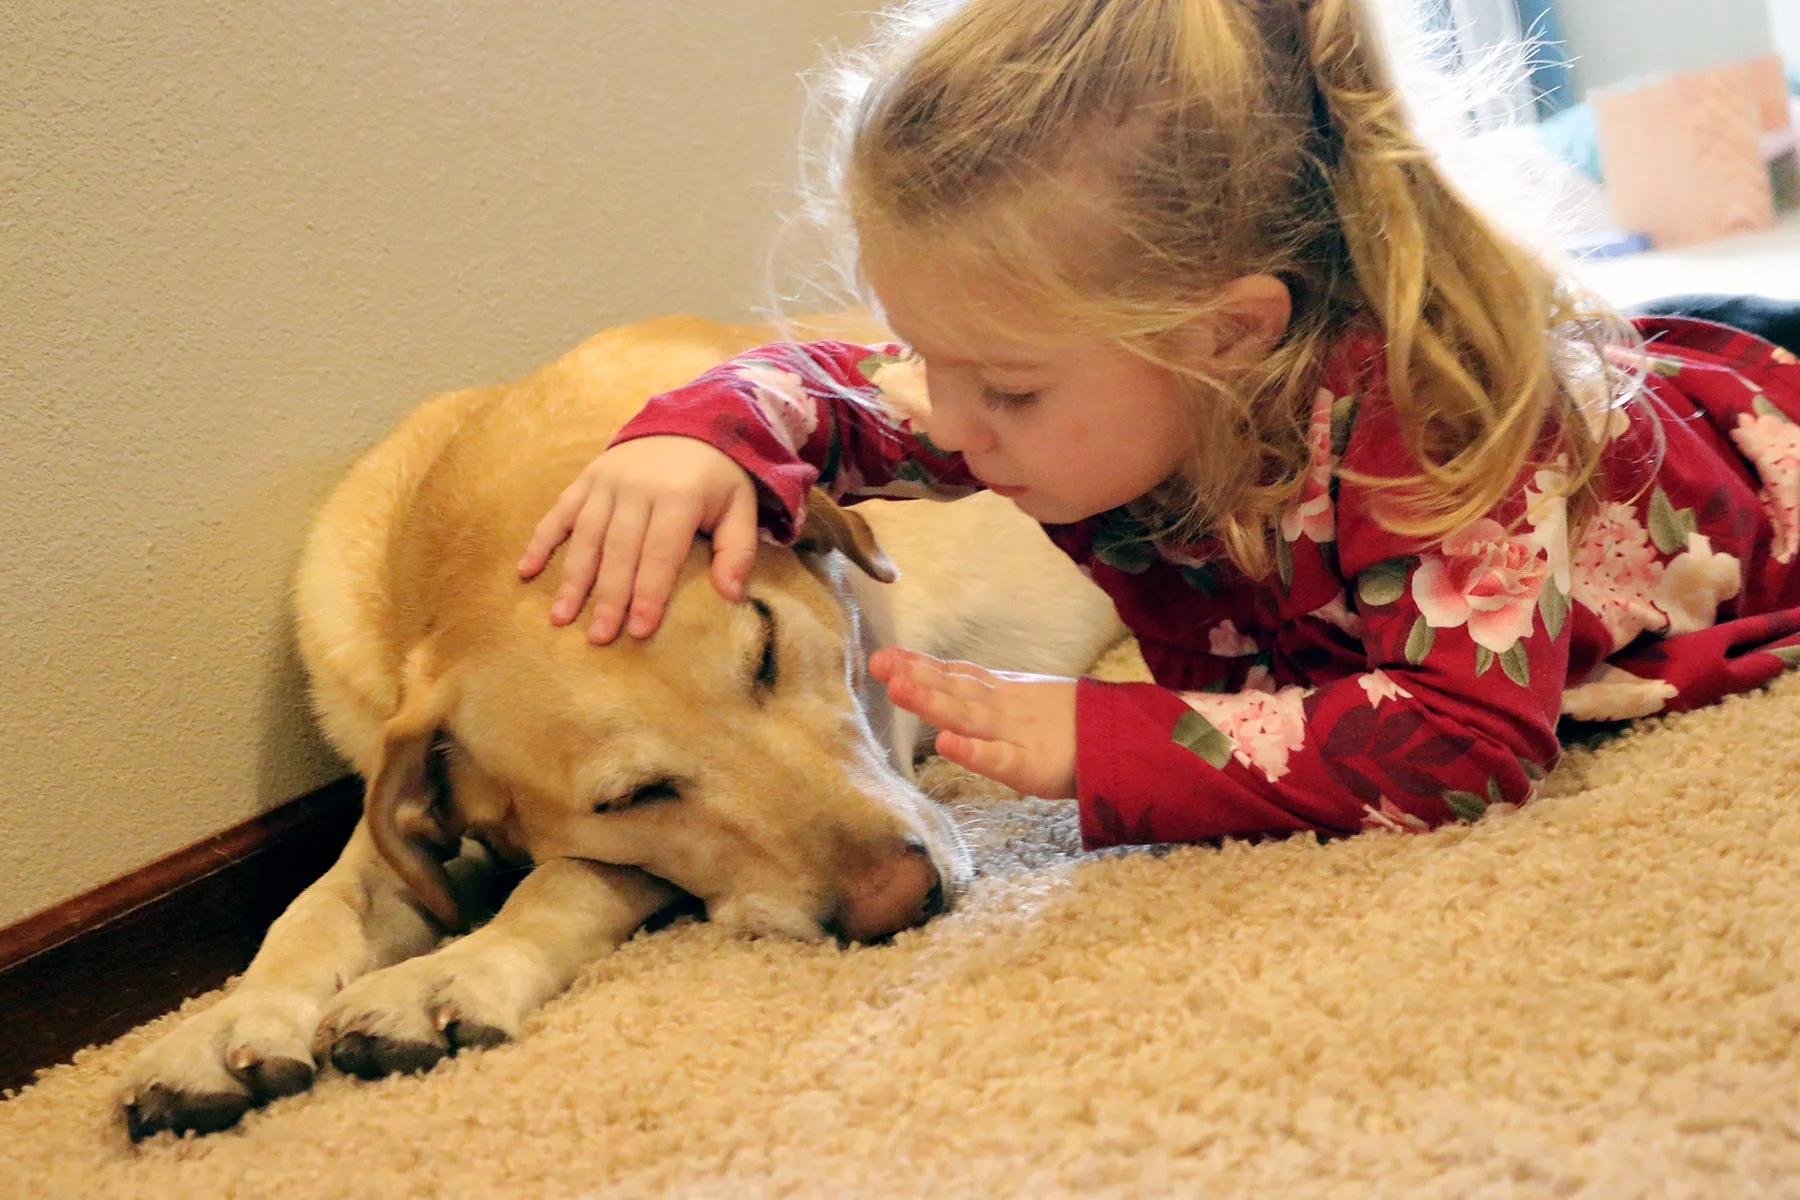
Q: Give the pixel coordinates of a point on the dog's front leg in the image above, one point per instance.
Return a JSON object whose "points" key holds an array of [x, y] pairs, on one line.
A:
{"points": [[256, 1043], [477, 990]]}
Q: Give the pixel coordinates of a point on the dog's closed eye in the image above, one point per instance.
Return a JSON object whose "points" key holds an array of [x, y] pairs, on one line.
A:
{"points": [[655, 792], [767, 667]]}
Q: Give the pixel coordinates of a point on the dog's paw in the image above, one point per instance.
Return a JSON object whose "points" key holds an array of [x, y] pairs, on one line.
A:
{"points": [[248, 1049], [407, 1017]]}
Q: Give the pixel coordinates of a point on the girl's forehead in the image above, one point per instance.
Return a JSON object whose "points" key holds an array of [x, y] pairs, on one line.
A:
{"points": [[954, 316]]}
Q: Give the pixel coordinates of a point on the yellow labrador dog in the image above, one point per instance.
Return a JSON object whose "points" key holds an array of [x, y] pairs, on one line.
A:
{"points": [[738, 756]]}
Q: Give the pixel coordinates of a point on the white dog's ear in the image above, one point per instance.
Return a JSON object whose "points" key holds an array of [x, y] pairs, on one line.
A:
{"points": [[829, 527], [407, 819]]}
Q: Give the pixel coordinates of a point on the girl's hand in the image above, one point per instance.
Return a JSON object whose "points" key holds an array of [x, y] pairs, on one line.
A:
{"points": [[1015, 728], [630, 519]]}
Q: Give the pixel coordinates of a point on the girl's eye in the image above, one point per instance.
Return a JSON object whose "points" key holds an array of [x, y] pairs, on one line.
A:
{"points": [[1000, 399]]}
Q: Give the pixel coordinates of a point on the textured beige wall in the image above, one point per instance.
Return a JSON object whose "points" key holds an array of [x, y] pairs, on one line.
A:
{"points": [[236, 241]]}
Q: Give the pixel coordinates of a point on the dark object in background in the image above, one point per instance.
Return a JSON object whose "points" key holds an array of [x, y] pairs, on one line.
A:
{"points": [[1775, 321]]}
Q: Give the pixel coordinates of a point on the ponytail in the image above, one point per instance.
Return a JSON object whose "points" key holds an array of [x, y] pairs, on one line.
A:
{"points": [[1482, 337]]}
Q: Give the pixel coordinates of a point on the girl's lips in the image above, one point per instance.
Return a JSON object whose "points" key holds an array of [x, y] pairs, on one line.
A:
{"points": [[1001, 489]]}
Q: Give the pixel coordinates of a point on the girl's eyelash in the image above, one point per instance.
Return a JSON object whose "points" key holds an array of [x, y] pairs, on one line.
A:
{"points": [[1000, 399]]}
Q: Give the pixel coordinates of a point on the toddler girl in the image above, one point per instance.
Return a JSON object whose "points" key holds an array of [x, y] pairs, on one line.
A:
{"points": [[1379, 498]]}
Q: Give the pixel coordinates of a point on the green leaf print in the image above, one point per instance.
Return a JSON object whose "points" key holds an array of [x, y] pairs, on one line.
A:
{"points": [[1670, 526], [1668, 368], [1484, 658], [1203, 579], [1284, 562], [1199, 735], [1764, 408], [869, 364], [1517, 665], [913, 472], [930, 447], [1133, 558], [1531, 769], [1495, 795], [1122, 542], [1465, 806], [1553, 606], [1383, 583], [1787, 654], [1419, 641], [1343, 420]]}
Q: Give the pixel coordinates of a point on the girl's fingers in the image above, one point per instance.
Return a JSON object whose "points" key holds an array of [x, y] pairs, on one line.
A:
{"points": [[883, 663], [555, 526], [666, 543], [580, 563], [618, 570], [964, 680], [734, 545], [934, 696], [999, 761]]}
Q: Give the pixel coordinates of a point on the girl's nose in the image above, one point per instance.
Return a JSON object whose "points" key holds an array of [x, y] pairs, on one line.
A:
{"points": [[956, 425]]}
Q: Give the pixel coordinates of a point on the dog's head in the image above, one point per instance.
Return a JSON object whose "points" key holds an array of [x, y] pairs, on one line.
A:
{"points": [[728, 754]]}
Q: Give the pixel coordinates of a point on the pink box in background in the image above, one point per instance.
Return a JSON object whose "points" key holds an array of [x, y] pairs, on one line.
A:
{"points": [[1684, 156]]}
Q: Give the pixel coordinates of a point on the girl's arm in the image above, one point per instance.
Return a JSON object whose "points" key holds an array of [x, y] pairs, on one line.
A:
{"points": [[1437, 728], [792, 415], [1406, 745]]}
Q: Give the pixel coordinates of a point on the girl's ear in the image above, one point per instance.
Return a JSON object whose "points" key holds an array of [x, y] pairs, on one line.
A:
{"points": [[1246, 319]]}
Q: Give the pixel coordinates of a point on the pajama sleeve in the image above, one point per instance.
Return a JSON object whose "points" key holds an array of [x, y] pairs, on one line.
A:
{"points": [[793, 415]]}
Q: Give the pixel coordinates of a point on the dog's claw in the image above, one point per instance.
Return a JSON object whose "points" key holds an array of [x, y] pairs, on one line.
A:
{"points": [[368, 1056], [158, 1108], [472, 1035], [274, 1078]]}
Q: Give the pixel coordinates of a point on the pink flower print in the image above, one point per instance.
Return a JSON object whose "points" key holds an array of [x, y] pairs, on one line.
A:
{"points": [[1615, 573], [1262, 727], [1336, 613], [1392, 818], [1695, 583], [1311, 516], [1378, 685], [779, 394], [1602, 409], [1259, 679], [1225, 641], [1485, 578], [1772, 444], [1183, 556], [902, 386], [1547, 510], [1611, 694]]}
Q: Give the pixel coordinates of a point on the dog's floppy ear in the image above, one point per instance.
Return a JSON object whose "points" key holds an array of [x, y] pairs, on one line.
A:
{"points": [[404, 816], [829, 527]]}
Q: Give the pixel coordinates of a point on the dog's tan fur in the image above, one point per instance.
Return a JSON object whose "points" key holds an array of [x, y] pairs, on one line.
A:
{"points": [[627, 774]]}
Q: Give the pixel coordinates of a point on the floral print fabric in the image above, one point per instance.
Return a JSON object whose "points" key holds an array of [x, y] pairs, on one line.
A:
{"points": [[1370, 682]]}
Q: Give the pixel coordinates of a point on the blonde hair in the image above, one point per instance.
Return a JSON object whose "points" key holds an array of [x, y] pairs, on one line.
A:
{"points": [[1112, 164]]}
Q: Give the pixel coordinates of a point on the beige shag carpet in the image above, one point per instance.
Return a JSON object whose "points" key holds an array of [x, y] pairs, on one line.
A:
{"points": [[1597, 995]]}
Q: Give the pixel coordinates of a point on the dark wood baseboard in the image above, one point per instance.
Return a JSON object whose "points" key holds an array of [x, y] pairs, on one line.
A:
{"points": [[106, 961]]}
